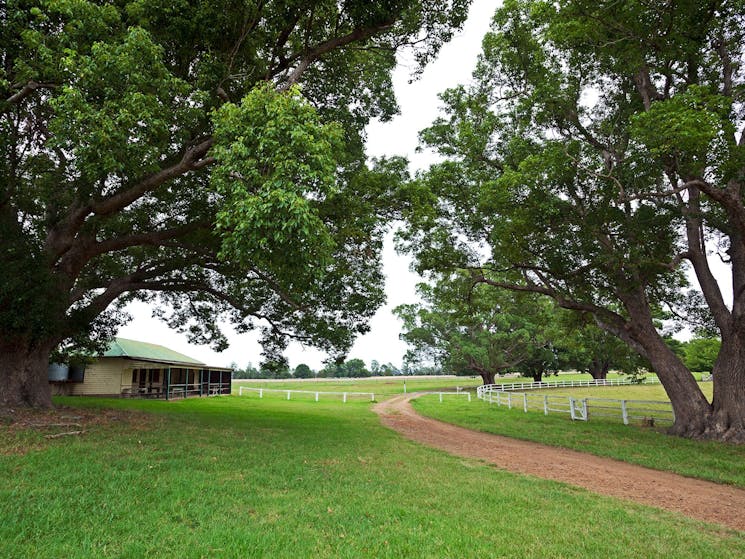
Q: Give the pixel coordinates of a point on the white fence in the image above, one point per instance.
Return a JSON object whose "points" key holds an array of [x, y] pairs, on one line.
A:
{"points": [[456, 393], [317, 393], [343, 395], [580, 409], [566, 384]]}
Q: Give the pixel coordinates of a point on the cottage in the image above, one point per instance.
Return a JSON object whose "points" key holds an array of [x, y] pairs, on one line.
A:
{"points": [[138, 369]]}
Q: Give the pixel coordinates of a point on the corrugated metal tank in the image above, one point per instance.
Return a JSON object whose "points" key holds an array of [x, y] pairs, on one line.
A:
{"points": [[58, 371]]}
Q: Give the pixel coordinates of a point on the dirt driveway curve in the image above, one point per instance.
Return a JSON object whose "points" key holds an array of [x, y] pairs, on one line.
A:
{"points": [[698, 499]]}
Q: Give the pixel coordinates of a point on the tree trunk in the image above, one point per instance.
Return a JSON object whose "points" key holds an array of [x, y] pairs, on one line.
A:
{"points": [[689, 403], [726, 420], [598, 369], [23, 374], [487, 377]]}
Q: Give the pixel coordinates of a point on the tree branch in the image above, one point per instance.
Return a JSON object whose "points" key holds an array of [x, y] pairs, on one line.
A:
{"points": [[697, 257], [646, 88], [191, 160], [26, 90], [61, 238], [185, 287], [307, 57]]}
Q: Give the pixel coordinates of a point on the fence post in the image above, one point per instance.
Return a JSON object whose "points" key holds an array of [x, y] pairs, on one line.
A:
{"points": [[440, 397], [571, 408], [344, 401], [288, 394], [624, 412], [584, 409], [469, 396], [261, 392], [316, 396], [525, 402], [509, 400], [240, 391], [372, 397], [545, 404]]}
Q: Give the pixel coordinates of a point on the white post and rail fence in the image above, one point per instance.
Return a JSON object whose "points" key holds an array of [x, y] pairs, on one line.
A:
{"points": [[579, 409], [343, 395], [316, 393]]}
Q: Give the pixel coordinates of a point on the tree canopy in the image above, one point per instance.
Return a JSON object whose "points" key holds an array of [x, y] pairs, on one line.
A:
{"points": [[205, 156], [468, 327], [471, 329], [597, 158]]}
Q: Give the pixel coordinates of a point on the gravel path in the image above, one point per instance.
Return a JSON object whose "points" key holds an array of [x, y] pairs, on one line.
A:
{"points": [[698, 499]]}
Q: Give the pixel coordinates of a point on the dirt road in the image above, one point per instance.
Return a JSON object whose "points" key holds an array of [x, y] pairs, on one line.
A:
{"points": [[698, 499]]}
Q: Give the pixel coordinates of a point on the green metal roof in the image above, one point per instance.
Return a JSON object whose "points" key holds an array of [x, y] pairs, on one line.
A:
{"points": [[121, 347]]}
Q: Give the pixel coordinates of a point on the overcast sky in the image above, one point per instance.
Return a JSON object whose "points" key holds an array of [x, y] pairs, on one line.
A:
{"points": [[419, 105]]}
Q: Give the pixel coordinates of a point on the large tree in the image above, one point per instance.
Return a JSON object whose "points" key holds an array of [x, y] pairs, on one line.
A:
{"points": [[597, 158], [468, 328], [584, 347], [205, 153]]}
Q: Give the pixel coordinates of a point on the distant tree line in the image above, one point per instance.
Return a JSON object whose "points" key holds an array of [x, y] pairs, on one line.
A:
{"points": [[580, 352], [351, 368]]}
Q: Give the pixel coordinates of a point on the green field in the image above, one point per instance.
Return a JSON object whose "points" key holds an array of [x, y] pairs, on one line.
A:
{"points": [[383, 386], [648, 447], [393, 385], [654, 392], [241, 477]]}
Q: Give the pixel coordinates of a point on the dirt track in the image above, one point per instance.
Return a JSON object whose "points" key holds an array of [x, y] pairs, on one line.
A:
{"points": [[698, 499]]}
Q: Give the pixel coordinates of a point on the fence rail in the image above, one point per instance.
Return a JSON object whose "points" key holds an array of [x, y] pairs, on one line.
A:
{"points": [[451, 393], [344, 395], [317, 393], [579, 409], [569, 384]]}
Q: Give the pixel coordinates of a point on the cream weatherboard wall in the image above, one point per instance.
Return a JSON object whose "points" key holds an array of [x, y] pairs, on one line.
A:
{"points": [[107, 376], [110, 376]]}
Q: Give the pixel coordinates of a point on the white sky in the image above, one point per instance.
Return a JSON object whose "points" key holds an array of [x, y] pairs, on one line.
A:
{"points": [[419, 107]]}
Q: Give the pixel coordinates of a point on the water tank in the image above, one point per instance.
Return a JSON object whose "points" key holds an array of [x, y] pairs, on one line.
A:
{"points": [[57, 371]]}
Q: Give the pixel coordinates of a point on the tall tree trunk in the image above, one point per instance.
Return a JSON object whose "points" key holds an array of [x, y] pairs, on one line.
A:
{"points": [[487, 377], [599, 369], [23, 374], [727, 418], [690, 406]]}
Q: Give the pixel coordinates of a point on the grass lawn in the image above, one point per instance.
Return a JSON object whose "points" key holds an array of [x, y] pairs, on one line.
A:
{"points": [[239, 477], [654, 392], [387, 386], [648, 447], [379, 386]]}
